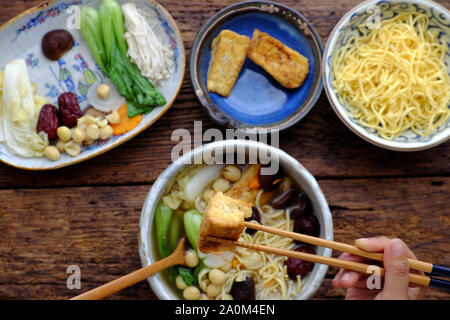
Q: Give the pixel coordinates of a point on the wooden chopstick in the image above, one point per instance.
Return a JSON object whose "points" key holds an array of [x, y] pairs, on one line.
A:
{"points": [[413, 264], [349, 265]]}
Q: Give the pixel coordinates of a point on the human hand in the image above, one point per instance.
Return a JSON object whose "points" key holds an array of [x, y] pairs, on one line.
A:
{"points": [[396, 283]]}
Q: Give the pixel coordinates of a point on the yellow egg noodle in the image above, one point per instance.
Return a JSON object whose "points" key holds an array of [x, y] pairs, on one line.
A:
{"points": [[270, 274], [394, 78]]}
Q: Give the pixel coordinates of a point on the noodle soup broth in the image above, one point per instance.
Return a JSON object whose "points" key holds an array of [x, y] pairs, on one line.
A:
{"points": [[277, 201]]}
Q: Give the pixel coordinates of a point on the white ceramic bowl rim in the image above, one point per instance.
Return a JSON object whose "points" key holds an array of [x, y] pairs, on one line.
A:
{"points": [[340, 110], [147, 250]]}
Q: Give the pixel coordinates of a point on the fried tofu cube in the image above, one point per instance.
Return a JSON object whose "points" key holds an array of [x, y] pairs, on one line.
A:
{"points": [[286, 65], [223, 218], [228, 53]]}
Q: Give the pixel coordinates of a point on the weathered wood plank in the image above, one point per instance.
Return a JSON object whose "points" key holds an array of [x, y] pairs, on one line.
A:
{"points": [[320, 141], [323, 14], [327, 291], [96, 229], [42, 231]]}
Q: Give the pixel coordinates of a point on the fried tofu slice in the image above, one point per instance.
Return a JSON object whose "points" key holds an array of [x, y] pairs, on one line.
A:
{"points": [[247, 187], [286, 65], [224, 218], [228, 53]]}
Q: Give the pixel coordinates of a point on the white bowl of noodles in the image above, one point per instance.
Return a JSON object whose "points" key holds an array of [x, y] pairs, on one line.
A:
{"points": [[386, 73], [285, 288]]}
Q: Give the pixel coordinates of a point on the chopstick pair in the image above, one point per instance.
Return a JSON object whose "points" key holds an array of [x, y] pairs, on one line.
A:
{"points": [[426, 267]]}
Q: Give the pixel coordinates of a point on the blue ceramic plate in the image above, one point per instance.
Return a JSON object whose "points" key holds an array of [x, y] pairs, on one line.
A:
{"points": [[257, 100]]}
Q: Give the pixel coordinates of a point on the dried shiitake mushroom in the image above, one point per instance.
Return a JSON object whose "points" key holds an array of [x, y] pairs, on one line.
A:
{"points": [[56, 43]]}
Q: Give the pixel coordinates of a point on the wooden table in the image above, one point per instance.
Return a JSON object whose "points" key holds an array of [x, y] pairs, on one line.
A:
{"points": [[87, 214]]}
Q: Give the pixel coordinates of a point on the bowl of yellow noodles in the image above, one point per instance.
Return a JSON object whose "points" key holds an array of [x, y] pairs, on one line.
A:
{"points": [[386, 73]]}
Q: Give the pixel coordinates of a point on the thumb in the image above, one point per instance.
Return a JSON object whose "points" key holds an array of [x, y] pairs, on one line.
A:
{"points": [[396, 279]]}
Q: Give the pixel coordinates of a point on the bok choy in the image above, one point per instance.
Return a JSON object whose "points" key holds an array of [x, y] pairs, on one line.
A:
{"points": [[174, 233], [104, 33], [168, 233], [192, 220], [163, 217], [91, 31]]}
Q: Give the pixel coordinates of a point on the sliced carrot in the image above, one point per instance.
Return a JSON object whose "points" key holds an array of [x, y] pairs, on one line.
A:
{"points": [[126, 124], [254, 183]]}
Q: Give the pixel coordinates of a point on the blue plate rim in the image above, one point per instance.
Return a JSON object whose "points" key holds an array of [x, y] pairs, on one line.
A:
{"points": [[218, 115]]}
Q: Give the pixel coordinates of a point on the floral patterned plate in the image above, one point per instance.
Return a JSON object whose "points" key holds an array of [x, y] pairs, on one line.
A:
{"points": [[77, 71]]}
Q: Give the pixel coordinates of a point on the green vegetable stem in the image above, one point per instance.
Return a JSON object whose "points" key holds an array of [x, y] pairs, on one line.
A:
{"points": [[192, 220], [118, 24], [174, 233], [104, 33], [92, 33], [163, 216]]}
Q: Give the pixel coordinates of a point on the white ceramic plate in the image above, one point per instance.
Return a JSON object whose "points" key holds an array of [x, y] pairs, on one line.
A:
{"points": [[76, 71], [347, 27]]}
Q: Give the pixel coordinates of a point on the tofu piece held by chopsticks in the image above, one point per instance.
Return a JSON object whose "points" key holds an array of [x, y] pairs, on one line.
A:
{"points": [[223, 218], [228, 53], [286, 65]]}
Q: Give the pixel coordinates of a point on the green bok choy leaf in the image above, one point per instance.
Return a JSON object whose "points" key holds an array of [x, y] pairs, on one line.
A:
{"points": [[104, 32]]}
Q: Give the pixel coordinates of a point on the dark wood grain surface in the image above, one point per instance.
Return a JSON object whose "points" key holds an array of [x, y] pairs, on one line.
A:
{"points": [[88, 214]]}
